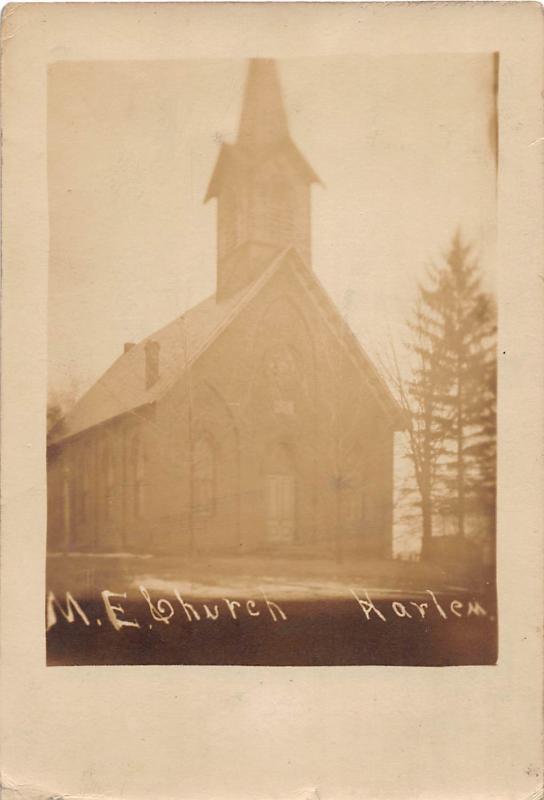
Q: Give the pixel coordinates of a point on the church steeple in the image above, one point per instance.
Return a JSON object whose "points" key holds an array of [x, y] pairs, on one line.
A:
{"points": [[263, 122], [262, 185]]}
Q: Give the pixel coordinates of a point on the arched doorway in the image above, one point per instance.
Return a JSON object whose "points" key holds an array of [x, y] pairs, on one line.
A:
{"points": [[280, 496], [356, 500]]}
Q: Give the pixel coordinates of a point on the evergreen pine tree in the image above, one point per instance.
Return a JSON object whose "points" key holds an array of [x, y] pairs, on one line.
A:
{"points": [[452, 394], [425, 401], [468, 363]]}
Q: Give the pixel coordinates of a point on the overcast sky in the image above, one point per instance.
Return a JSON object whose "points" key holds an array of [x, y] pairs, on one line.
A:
{"points": [[402, 144]]}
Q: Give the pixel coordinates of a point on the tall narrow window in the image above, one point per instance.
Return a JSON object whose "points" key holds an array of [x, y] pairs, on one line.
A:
{"points": [[203, 477], [279, 211], [66, 505], [354, 492], [280, 495], [137, 468], [108, 478], [86, 483]]}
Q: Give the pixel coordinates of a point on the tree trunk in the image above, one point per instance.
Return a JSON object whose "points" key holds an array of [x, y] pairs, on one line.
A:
{"points": [[427, 530], [460, 459], [426, 489]]}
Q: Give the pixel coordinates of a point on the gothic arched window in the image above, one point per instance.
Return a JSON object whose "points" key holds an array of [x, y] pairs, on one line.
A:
{"points": [[203, 477], [282, 373]]}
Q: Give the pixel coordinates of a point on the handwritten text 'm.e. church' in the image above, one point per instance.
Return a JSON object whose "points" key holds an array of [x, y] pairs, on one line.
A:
{"points": [[162, 610]]}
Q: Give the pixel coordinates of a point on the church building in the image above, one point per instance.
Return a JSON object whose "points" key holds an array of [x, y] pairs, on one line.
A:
{"points": [[254, 423]]}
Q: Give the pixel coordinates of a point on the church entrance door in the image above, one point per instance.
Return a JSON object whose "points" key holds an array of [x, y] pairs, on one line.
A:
{"points": [[280, 508]]}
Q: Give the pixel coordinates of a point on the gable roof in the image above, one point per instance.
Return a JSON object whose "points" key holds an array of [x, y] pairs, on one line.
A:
{"points": [[233, 162], [347, 338], [122, 388]]}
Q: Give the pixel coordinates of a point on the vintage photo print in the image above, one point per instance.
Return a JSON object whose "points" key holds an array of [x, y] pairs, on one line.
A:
{"points": [[271, 401], [271, 410]]}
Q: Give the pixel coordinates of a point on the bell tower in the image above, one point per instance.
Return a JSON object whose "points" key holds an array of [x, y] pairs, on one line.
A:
{"points": [[262, 185]]}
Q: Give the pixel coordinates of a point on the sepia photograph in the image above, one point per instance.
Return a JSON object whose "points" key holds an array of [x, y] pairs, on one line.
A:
{"points": [[271, 408], [271, 401]]}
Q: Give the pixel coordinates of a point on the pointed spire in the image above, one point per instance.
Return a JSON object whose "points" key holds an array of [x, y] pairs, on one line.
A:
{"points": [[262, 185], [263, 126], [263, 122]]}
